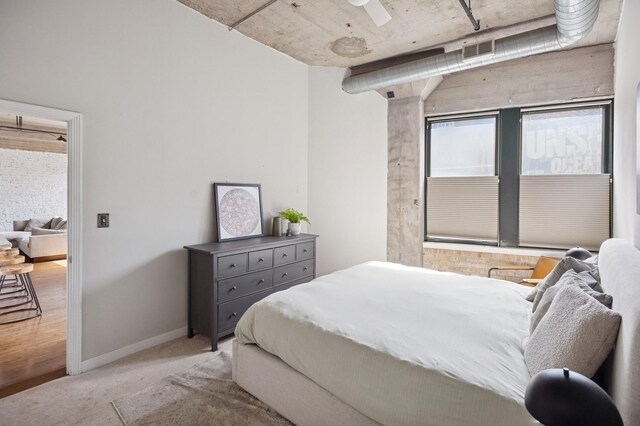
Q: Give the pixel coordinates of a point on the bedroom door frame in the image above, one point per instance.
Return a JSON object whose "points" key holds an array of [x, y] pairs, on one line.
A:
{"points": [[74, 213]]}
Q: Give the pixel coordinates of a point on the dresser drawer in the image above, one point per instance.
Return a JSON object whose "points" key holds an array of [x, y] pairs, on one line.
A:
{"points": [[233, 288], [282, 255], [304, 251], [232, 265], [229, 313], [260, 259], [283, 274]]}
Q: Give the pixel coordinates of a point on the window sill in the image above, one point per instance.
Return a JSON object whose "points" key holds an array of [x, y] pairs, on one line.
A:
{"points": [[493, 249]]}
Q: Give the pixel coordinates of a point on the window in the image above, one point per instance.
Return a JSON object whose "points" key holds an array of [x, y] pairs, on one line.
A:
{"points": [[563, 142], [564, 190], [464, 147], [462, 182], [531, 177]]}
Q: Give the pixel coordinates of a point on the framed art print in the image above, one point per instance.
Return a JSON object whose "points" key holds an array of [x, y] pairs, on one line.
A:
{"points": [[238, 210]]}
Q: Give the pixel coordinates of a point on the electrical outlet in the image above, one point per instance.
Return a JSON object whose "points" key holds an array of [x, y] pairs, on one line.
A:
{"points": [[103, 220]]}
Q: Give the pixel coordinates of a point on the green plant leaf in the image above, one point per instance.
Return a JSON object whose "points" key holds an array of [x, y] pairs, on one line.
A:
{"points": [[294, 216]]}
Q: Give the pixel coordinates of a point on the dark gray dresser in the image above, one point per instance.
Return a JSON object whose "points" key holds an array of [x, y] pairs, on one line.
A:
{"points": [[226, 278]]}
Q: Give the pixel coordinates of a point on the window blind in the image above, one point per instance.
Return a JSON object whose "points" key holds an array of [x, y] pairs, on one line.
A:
{"points": [[463, 208], [564, 211]]}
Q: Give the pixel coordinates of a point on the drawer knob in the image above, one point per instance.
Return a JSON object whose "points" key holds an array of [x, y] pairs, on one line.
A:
{"points": [[233, 288], [284, 254], [233, 265], [261, 260], [261, 281], [233, 315], [305, 251], [284, 275], [305, 268]]}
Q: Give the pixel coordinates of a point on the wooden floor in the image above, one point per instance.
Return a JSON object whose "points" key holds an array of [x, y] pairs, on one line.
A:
{"points": [[34, 351]]}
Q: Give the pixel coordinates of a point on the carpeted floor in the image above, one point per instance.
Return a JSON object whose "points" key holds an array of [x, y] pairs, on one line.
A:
{"points": [[202, 395], [86, 399]]}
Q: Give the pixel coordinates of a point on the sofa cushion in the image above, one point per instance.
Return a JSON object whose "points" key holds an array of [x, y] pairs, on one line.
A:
{"points": [[44, 223], [61, 225], [43, 231]]}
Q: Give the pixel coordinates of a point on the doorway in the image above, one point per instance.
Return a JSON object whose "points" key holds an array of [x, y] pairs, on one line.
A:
{"points": [[54, 273], [33, 251]]}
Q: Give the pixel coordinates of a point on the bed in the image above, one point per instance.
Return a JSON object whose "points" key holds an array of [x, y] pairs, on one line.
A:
{"points": [[381, 343]]}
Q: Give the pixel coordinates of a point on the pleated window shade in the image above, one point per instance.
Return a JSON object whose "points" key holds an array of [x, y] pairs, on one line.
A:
{"points": [[464, 208], [564, 211]]}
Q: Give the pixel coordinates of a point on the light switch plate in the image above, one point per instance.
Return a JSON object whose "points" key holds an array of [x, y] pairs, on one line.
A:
{"points": [[103, 220]]}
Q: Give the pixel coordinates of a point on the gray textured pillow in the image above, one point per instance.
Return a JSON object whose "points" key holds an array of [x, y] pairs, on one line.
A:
{"points": [[55, 222], [62, 224], [563, 266], [577, 333], [569, 278], [19, 225], [43, 231]]}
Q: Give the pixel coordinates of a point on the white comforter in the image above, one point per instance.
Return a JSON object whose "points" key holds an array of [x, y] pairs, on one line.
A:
{"points": [[404, 345]]}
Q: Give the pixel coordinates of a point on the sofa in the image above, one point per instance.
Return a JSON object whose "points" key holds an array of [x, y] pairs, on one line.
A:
{"points": [[40, 239]]}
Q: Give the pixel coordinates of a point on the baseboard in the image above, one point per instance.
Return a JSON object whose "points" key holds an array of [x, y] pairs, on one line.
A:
{"points": [[109, 357]]}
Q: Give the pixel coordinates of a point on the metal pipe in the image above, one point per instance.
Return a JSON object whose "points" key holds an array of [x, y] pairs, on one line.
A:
{"points": [[467, 9], [575, 19]]}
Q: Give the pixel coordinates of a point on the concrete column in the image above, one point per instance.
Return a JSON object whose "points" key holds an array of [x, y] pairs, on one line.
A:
{"points": [[405, 181]]}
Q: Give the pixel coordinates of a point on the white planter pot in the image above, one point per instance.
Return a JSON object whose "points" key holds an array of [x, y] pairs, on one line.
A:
{"points": [[295, 228]]}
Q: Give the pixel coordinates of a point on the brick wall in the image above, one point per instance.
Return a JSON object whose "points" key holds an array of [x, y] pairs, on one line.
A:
{"points": [[32, 184], [477, 263]]}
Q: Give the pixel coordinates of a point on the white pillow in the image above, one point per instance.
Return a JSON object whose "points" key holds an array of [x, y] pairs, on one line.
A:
{"points": [[578, 332]]}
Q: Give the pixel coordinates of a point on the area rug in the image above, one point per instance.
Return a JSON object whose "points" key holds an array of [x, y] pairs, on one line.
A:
{"points": [[202, 395]]}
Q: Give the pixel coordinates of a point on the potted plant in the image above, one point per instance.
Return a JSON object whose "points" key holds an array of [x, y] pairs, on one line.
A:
{"points": [[295, 219]]}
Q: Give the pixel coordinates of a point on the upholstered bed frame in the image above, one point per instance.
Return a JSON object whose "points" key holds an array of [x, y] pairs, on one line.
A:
{"points": [[305, 403]]}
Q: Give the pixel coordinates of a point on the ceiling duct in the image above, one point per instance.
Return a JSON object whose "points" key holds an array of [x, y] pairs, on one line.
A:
{"points": [[574, 20]]}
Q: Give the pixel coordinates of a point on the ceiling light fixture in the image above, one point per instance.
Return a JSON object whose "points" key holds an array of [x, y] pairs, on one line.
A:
{"points": [[375, 9]]}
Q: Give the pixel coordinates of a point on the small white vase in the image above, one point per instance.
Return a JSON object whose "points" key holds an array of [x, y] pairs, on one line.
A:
{"points": [[295, 228]]}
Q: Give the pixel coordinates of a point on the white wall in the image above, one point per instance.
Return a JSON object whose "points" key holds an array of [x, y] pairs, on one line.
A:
{"points": [[172, 102], [347, 172], [627, 77], [32, 184]]}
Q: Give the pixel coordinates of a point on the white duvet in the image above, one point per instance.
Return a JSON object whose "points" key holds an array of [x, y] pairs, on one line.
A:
{"points": [[404, 345]]}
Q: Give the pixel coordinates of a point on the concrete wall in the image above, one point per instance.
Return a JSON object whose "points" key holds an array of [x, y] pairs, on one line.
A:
{"points": [[625, 129], [548, 78], [172, 102], [405, 203], [347, 179], [32, 184]]}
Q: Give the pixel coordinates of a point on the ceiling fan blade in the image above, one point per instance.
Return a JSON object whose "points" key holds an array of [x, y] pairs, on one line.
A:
{"points": [[377, 11]]}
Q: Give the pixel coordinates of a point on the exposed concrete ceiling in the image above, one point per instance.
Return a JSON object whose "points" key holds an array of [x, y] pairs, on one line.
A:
{"points": [[307, 30], [37, 135]]}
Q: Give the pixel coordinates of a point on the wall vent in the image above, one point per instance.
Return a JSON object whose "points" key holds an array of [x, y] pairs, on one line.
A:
{"points": [[479, 50]]}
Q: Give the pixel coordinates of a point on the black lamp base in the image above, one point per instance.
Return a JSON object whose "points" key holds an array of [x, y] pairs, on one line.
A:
{"points": [[560, 397]]}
